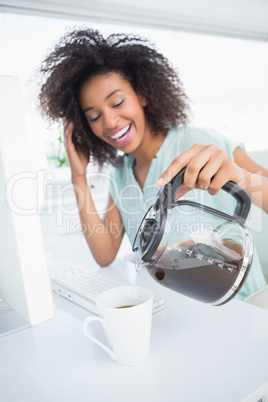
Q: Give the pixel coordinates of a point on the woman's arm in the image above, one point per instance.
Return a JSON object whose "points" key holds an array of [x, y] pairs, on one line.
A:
{"points": [[255, 180], [103, 236]]}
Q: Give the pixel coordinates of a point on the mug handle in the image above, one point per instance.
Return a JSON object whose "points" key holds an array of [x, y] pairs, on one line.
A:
{"points": [[84, 326]]}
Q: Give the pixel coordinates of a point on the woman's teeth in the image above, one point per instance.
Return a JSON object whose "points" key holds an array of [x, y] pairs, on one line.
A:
{"points": [[121, 134]]}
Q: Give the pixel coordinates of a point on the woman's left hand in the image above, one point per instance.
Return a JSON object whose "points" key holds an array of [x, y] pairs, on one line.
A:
{"points": [[207, 168]]}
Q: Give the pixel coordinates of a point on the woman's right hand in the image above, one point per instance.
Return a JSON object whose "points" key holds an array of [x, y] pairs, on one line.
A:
{"points": [[78, 161]]}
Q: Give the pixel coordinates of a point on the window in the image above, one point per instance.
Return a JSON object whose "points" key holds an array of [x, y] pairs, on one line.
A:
{"points": [[225, 78]]}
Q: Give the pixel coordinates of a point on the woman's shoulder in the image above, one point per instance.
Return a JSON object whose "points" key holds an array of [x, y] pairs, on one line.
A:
{"points": [[193, 134], [193, 131], [184, 137]]}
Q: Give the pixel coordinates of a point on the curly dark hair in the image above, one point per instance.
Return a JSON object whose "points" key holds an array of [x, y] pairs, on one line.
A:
{"points": [[84, 53]]}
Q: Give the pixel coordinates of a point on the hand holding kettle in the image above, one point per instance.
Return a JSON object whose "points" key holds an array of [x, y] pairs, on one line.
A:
{"points": [[207, 168]]}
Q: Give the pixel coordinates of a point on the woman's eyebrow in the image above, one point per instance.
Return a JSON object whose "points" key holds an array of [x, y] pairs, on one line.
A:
{"points": [[107, 97], [112, 93]]}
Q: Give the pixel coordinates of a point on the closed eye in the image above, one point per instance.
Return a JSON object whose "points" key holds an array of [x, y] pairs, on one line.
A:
{"points": [[92, 119], [119, 103]]}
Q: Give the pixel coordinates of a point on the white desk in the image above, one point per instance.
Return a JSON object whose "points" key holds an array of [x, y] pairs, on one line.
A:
{"points": [[198, 352]]}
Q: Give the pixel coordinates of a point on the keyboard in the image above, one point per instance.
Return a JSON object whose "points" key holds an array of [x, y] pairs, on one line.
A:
{"points": [[82, 287]]}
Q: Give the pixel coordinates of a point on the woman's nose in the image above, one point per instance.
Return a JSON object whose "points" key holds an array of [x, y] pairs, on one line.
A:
{"points": [[110, 119]]}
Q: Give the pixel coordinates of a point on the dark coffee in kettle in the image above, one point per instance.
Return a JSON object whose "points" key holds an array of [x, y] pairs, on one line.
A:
{"points": [[200, 271]]}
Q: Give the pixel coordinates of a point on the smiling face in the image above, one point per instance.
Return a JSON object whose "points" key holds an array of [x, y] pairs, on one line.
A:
{"points": [[115, 113]]}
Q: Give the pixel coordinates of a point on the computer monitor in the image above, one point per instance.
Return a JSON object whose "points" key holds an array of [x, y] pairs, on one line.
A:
{"points": [[25, 291]]}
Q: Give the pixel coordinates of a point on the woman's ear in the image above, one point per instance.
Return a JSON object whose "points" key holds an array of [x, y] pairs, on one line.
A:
{"points": [[143, 101]]}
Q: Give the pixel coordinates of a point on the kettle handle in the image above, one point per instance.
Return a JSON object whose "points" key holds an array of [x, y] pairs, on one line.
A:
{"points": [[167, 194]]}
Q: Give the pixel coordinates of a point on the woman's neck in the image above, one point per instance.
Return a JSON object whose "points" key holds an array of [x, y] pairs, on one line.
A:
{"points": [[144, 156]]}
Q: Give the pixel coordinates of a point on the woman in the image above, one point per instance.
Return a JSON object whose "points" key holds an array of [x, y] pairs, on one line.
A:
{"points": [[120, 94]]}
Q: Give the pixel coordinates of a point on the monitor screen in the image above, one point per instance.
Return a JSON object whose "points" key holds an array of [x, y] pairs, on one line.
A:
{"points": [[25, 291]]}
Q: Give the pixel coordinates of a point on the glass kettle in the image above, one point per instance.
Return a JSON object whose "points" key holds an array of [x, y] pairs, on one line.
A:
{"points": [[194, 249]]}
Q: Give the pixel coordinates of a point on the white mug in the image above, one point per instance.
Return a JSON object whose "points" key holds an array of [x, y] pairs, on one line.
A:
{"points": [[128, 329]]}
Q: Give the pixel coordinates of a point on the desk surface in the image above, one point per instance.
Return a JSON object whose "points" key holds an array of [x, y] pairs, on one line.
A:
{"points": [[198, 352]]}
